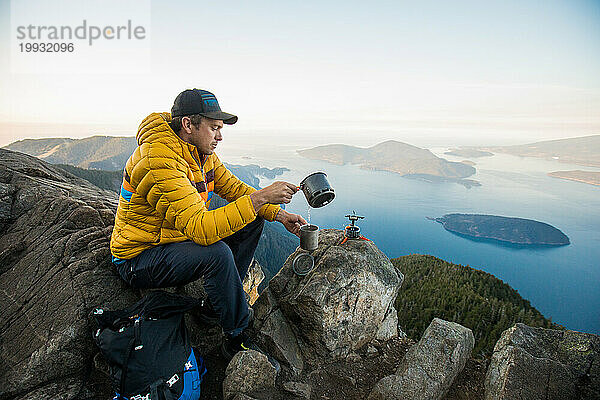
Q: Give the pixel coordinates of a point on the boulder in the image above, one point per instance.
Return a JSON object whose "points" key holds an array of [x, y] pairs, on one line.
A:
{"points": [[298, 389], [430, 366], [389, 326], [242, 396], [279, 338], [539, 363], [249, 371], [55, 259], [338, 307]]}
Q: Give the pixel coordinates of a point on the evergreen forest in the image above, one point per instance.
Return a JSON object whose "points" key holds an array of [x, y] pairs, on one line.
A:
{"points": [[476, 299]]}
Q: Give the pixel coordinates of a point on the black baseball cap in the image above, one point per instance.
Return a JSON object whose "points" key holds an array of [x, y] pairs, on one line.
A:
{"points": [[203, 102]]}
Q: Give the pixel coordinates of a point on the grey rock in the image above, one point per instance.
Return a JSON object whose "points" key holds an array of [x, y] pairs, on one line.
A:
{"points": [[279, 338], [298, 389], [249, 371], [539, 363], [6, 192], [389, 327], [55, 267], [401, 333], [371, 351], [430, 366], [341, 304], [241, 396], [68, 389]]}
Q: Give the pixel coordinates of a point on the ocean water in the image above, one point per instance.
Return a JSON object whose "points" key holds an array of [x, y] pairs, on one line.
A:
{"points": [[561, 282]]}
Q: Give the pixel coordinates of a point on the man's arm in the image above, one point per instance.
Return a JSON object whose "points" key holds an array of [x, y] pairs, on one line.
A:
{"points": [[264, 200], [231, 188], [170, 192], [292, 222]]}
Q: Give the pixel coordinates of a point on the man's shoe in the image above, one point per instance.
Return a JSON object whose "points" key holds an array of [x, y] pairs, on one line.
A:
{"points": [[242, 342]]}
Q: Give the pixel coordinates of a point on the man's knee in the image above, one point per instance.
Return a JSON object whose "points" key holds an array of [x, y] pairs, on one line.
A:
{"points": [[221, 250], [221, 256], [258, 223]]}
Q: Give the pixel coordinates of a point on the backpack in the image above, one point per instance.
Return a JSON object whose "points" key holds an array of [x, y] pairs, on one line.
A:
{"points": [[148, 349]]}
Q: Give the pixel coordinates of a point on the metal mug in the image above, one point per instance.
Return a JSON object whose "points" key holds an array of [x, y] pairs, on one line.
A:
{"points": [[309, 237]]}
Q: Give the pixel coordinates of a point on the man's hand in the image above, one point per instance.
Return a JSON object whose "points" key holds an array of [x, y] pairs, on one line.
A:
{"points": [[277, 193], [292, 222]]}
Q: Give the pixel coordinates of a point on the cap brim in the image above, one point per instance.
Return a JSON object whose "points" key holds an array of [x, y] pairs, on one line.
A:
{"points": [[227, 118]]}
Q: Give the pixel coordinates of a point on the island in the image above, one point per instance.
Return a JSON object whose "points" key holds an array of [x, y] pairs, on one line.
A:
{"points": [[468, 152], [397, 157], [504, 229], [589, 177], [584, 150], [468, 183]]}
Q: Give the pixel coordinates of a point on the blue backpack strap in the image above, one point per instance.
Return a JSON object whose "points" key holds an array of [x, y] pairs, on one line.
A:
{"points": [[160, 387]]}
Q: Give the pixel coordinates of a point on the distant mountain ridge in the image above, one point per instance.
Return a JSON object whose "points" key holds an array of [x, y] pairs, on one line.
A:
{"points": [[393, 156], [110, 153], [584, 150], [107, 153]]}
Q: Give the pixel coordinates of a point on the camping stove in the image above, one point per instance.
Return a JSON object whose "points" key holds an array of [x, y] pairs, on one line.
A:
{"points": [[352, 231]]}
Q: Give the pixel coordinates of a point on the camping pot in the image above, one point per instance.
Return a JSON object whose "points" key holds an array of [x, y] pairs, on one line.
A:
{"points": [[309, 237], [317, 190]]}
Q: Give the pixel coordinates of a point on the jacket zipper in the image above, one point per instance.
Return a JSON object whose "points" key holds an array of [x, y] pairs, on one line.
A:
{"points": [[201, 164]]}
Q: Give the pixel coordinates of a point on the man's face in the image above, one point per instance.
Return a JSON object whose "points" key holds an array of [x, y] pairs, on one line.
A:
{"points": [[205, 136]]}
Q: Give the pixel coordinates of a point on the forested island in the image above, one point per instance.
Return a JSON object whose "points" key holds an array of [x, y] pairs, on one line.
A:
{"points": [[504, 229], [589, 177], [398, 157], [468, 152]]}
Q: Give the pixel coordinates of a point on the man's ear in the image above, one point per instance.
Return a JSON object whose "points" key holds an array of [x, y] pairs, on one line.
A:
{"points": [[186, 124]]}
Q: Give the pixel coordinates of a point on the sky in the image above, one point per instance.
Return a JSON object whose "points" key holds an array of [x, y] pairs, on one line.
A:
{"points": [[429, 73]]}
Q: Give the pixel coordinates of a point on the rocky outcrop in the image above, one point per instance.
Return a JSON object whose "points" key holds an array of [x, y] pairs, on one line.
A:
{"points": [[54, 268], [537, 363], [429, 367], [248, 372], [298, 389], [334, 329], [337, 308]]}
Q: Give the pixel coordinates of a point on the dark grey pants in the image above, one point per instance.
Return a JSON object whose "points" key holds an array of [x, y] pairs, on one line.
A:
{"points": [[223, 265]]}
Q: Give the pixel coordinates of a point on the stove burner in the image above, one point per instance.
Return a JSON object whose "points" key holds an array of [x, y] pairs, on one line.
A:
{"points": [[352, 231]]}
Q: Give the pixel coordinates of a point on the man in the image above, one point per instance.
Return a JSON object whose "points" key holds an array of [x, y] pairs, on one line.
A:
{"points": [[164, 234]]}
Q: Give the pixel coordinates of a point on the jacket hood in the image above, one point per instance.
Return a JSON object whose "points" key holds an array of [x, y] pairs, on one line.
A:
{"points": [[155, 128]]}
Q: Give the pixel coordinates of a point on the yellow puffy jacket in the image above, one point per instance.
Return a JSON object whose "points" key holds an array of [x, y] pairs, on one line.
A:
{"points": [[166, 190]]}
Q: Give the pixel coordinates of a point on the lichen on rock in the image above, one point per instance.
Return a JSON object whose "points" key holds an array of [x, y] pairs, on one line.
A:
{"points": [[337, 308], [539, 363]]}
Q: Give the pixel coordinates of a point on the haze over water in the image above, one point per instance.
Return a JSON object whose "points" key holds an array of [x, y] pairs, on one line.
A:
{"points": [[561, 282]]}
